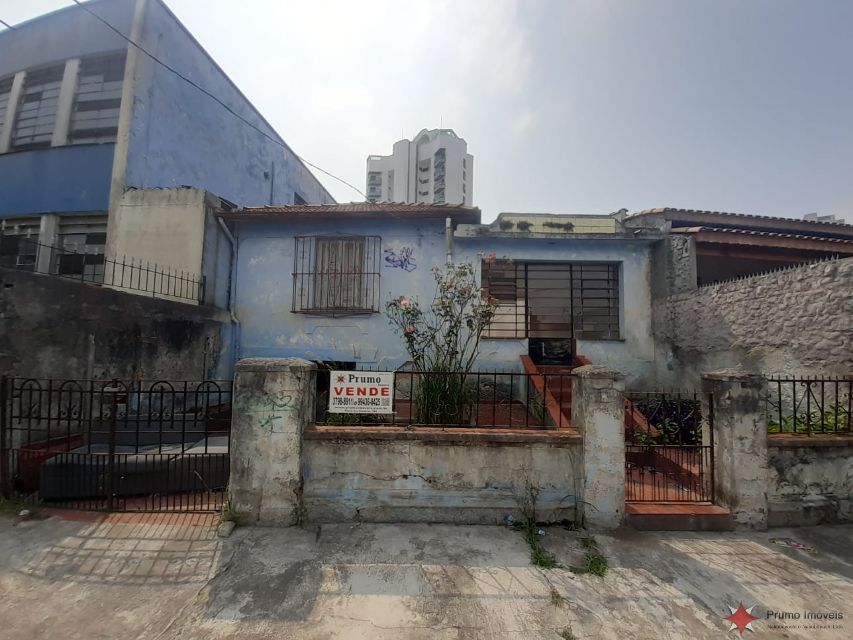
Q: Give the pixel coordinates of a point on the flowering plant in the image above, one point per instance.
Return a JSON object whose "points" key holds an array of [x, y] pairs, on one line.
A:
{"points": [[444, 339]]}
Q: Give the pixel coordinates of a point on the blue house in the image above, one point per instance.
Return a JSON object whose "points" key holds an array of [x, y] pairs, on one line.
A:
{"points": [[312, 281], [85, 116]]}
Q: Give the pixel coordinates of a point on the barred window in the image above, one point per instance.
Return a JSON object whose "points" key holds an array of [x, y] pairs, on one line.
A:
{"points": [[37, 110], [98, 99], [5, 92], [553, 300], [336, 275]]}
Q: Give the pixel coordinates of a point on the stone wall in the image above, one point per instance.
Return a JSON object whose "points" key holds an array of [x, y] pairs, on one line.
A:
{"points": [[796, 320], [53, 327], [439, 479], [810, 480]]}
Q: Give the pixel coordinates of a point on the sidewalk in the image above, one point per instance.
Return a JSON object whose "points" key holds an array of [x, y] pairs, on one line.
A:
{"points": [[158, 577]]}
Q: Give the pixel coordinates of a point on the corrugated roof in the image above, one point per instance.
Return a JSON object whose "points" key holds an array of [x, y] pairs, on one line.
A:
{"points": [[747, 216], [356, 209], [766, 234]]}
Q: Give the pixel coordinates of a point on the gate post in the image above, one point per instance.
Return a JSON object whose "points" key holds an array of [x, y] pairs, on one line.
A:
{"points": [[740, 444], [273, 403], [598, 412]]}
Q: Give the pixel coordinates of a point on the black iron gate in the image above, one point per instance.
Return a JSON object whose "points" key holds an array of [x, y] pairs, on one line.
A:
{"points": [[669, 447], [115, 445]]}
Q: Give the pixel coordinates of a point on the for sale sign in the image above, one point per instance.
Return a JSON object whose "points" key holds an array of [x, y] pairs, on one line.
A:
{"points": [[361, 392]]}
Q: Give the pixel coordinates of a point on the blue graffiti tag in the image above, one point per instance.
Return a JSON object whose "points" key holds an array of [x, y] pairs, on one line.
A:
{"points": [[401, 259]]}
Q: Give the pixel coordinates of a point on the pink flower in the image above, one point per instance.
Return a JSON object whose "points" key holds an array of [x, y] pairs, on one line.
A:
{"points": [[410, 328], [404, 302]]}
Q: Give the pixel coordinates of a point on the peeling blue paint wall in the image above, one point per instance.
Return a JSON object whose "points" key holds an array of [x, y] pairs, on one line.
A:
{"points": [[68, 178], [180, 136], [270, 329]]}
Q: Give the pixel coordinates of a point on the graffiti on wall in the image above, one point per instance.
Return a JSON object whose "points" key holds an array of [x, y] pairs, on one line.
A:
{"points": [[272, 411], [402, 258]]}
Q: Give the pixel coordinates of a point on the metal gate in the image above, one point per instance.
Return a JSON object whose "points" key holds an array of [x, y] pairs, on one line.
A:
{"points": [[669, 447], [115, 445]]}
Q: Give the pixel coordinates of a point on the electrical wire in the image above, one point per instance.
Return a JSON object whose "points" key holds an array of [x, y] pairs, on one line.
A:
{"points": [[215, 98]]}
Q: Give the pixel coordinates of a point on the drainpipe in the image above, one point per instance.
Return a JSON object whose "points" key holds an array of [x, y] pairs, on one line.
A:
{"points": [[232, 294], [448, 236]]}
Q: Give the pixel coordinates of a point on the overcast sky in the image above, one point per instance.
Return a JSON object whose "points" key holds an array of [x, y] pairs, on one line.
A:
{"points": [[568, 106]]}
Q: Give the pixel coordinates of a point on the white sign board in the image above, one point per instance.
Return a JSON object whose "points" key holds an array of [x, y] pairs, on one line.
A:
{"points": [[361, 392]]}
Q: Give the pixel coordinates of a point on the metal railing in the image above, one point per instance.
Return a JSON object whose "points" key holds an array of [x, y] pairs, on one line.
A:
{"points": [[504, 400], [669, 447], [115, 445], [811, 406], [27, 254]]}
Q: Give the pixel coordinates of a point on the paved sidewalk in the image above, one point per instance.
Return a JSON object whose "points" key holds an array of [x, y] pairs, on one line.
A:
{"points": [[159, 577]]}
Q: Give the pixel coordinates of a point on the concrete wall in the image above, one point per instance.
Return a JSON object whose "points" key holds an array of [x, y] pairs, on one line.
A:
{"points": [[810, 480], [175, 229], [270, 329], [436, 481], [793, 321], [56, 328], [179, 136]]}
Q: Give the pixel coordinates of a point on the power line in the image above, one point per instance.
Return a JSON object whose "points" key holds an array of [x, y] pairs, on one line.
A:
{"points": [[215, 98], [6, 24]]}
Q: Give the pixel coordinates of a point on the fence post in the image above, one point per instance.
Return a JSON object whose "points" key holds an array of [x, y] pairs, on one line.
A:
{"points": [[4, 448], [273, 403], [598, 412], [111, 451], [740, 444]]}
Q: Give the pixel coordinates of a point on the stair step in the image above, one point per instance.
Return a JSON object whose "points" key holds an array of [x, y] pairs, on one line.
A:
{"points": [[664, 516]]}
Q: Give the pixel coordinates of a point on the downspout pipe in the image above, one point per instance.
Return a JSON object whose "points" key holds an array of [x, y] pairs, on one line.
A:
{"points": [[232, 293]]}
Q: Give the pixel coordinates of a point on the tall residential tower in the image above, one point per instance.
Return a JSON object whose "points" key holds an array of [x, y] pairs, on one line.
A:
{"points": [[435, 167]]}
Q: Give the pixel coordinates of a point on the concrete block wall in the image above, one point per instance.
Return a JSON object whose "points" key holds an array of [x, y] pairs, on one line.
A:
{"points": [[810, 480], [52, 327], [796, 321]]}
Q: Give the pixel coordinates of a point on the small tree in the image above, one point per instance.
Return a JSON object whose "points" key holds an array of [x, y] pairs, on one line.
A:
{"points": [[443, 342]]}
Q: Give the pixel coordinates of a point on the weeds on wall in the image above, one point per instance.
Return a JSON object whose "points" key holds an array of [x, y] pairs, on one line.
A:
{"points": [[443, 341]]}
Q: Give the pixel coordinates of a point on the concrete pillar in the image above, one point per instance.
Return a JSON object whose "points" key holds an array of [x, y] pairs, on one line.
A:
{"points": [[12, 111], [740, 444], [273, 402], [598, 412], [66, 102], [48, 238]]}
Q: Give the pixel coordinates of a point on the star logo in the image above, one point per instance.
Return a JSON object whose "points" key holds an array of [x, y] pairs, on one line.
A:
{"points": [[741, 618], [340, 378]]}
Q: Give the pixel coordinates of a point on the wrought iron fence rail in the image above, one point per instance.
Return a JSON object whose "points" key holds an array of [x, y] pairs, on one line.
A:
{"points": [[114, 444], [120, 272], [504, 400], [810, 405]]}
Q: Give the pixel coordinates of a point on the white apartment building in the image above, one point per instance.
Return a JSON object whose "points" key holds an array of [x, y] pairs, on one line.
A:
{"points": [[435, 167]]}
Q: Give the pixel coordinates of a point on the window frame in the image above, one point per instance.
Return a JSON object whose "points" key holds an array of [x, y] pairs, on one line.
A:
{"points": [[336, 275]]}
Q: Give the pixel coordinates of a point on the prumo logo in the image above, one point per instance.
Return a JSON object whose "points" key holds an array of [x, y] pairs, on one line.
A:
{"points": [[741, 618]]}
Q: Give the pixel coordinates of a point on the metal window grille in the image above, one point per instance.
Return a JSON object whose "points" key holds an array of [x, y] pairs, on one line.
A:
{"points": [[336, 275], [5, 92], [37, 111], [553, 300], [98, 99]]}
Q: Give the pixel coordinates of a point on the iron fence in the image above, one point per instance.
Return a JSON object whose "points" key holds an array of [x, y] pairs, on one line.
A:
{"points": [[454, 399], [115, 445], [669, 447], [27, 254], [811, 406]]}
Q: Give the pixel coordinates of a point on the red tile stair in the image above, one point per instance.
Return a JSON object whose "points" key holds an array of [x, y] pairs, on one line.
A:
{"points": [[668, 516]]}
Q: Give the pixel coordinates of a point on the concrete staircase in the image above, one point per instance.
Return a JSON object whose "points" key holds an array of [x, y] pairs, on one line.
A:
{"points": [[555, 387], [665, 516]]}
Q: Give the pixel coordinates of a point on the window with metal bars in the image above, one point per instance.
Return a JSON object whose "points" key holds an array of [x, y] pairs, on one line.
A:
{"points": [[36, 115], [5, 92], [336, 275], [97, 100], [553, 300]]}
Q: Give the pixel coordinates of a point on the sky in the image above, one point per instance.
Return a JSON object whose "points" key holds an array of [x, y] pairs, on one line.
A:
{"points": [[568, 106]]}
